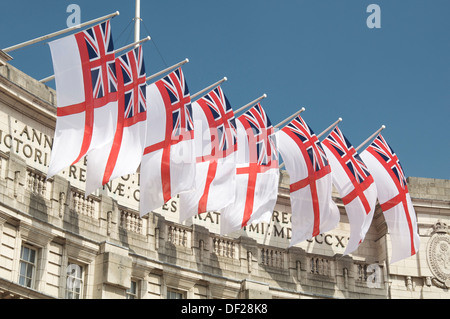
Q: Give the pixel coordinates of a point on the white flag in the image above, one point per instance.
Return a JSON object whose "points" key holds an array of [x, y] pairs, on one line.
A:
{"points": [[394, 198], [354, 183], [123, 154], [257, 173], [215, 146], [313, 210], [86, 88], [168, 163]]}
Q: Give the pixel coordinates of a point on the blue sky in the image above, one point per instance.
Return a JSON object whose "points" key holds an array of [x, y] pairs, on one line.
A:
{"points": [[320, 55]]}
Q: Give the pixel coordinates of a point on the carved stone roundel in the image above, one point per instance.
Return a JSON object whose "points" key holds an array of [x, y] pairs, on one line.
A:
{"points": [[439, 257]]}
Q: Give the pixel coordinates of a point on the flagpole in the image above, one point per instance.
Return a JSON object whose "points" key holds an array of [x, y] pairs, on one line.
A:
{"points": [[167, 69], [208, 88], [290, 117], [54, 34], [51, 77], [137, 21], [252, 103], [371, 137], [330, 127]]}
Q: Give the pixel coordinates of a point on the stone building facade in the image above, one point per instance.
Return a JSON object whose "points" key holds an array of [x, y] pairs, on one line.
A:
{"points": [[57, 243]]}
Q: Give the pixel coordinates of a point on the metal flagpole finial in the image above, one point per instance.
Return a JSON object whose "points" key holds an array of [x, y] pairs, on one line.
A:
{"points": [[330, 127], [290, 117], [371, 137], [252, 103], [208, 88], [151, 77]]}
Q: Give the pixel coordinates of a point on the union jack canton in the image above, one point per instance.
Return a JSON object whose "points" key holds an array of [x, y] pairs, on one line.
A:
{"points": [[221, 121], [391, 161], [309, 142], [347, 154], [262, 141], [181, 110], [98, 61], [132, 68]]}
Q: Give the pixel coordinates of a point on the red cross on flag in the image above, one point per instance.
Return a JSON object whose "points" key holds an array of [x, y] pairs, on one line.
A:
{"points": [[313, 210], [394, 198], [86, 88], [215, 147], [168, 163], [354, 183], [123, 154], [257, 173]]}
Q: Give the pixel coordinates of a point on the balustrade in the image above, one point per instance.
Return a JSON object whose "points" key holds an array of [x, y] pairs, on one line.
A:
{"points": [[131, 221], [224, 247], [272, 257], [36, 183], [178, 236], [84, 205], [320, 266]]}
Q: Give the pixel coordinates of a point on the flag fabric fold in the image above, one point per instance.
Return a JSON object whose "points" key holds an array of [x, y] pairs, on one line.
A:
{"points": [[215, 147], [86, 87], [354, 183], [313, 210], [168, 163], [393, 197], [123, 154], [257, 173]]}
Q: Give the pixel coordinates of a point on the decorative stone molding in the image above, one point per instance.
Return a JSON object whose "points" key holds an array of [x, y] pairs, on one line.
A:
{"points": [[438, 255]]}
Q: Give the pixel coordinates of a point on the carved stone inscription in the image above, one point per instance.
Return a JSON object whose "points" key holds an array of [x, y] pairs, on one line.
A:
{"points": [[34, 146]]}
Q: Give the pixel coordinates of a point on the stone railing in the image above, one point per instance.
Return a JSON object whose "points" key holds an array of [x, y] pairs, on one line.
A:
{"points": [[82, 205], [179, 236], [131, 221], [224, 247], [272, 257], [36, 183], [320, 266], [361, 272]]}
